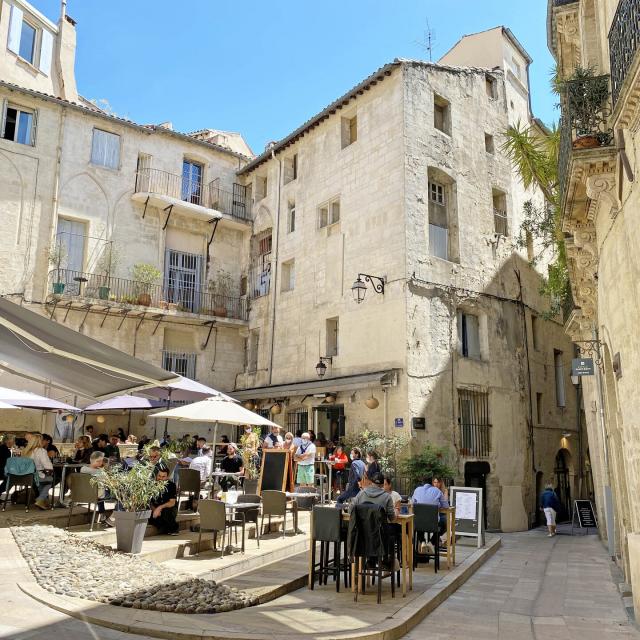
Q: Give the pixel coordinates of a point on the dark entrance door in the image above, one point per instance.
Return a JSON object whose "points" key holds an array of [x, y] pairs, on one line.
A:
{"points": [[475, 475], [563, 488], [330, 421]]}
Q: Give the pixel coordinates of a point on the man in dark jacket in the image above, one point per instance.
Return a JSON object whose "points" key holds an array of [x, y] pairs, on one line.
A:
{"points": [[550, 504]]}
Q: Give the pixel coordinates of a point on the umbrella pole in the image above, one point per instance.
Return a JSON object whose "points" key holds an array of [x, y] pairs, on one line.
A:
{"points": [[129, 424], [166, 420], [213, 458]]}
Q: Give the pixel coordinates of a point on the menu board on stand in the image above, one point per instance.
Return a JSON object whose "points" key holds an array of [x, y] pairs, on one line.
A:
{"points": [[469, 512]]}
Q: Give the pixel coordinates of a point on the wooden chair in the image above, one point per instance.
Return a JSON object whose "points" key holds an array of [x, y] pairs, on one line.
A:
{"points": [[82, 492]]}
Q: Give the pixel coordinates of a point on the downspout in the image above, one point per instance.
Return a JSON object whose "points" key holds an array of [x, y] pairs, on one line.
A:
{"points": [[274, 270]]}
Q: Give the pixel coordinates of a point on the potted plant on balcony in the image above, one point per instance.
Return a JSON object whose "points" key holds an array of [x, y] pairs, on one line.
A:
{"points": [[108, 261], [134, 490], [145, 276], [57, 258], [587, 97], [221, 290]]}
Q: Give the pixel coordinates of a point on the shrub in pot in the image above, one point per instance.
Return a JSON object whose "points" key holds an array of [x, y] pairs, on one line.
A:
{"points": [[145, 276], [57, 256], [133, 490]]}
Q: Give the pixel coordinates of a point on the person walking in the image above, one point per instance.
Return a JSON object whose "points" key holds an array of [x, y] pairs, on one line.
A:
{"points": [[550, 504]]}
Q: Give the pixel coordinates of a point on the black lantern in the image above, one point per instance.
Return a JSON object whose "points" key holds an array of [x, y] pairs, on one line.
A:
{"points": [[359, 287], [321, 367]]}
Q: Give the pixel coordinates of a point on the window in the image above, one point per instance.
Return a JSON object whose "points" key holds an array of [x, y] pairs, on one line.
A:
{"points": [[191, 182], [105, 149], [539, 409], [254, 343], [559, 369], [438, 225], [143, 172], [182, 277], [332, 337], [291, 218], [535, 328], [349, 131], [31, 44], [260, 271], [488, 143], [500, 222], [475, 426], [288, 278], [468, 335], [516, 68], [441, 114], [297, 420], [291, 168], [19, 125], [491, 87], [329, 213], [183, 364]]}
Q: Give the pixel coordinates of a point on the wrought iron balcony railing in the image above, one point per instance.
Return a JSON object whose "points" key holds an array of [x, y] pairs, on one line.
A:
{"points": [[624, 41], [586, 108], [170, 295], [236, 204], [561, 3]]}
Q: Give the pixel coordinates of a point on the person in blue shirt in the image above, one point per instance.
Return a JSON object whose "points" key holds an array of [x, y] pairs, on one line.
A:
{"points": [[356, 473], [428, 494], [550, 504]]}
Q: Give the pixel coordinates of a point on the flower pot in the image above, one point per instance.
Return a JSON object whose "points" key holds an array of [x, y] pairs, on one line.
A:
{"points": [[103, 293], [586, 142], [220, 312], [173, 306], [164, 304], [144, 299], [58, 288], [130, 528]]}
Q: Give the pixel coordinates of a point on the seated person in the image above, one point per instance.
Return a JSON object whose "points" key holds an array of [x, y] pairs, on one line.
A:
{"points": [[374, 493], [202, 464], [231, 463], [8, 442], [339, 457], [44, 467], [356, 473], [112, 451], [428, 494], [164, 510], [49, 447], [155, 458], [95, 468], [83, 450], [395, 496], [222, 450]]}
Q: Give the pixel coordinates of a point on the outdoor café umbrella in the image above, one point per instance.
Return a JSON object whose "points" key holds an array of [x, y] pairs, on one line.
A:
{"points": [[215, 410], [124, 403], [30, 400], [184, 389], [6, 405]]}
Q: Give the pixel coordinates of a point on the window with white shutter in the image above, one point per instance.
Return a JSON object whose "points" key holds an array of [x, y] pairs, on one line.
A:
{"points": [[19, 124], [46, 51], [105, 149], [15, 27]]}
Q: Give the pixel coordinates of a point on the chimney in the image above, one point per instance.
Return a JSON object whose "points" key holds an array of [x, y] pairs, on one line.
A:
{"points": [[166, 125], [66, 56]]}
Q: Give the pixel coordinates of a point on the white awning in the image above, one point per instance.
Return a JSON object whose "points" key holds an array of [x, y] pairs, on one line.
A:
{"points": [[329, 385], [35, 346]]}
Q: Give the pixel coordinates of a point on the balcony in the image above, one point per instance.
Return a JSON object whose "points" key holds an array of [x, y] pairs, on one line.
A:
{"points": [[586, 138], [163, 190], [561, 3], [174, 297], [624, 40]]}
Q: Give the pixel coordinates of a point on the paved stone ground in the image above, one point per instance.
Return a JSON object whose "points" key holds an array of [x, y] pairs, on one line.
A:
{"points": [[535, 588]]}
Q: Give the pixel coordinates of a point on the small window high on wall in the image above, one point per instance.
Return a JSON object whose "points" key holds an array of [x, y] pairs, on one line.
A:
{"points": [[441, 114], [105, 149]]}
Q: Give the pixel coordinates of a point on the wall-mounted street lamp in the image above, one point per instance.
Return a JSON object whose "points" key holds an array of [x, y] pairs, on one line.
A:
{"points": [[321, 367], [359, 287]]}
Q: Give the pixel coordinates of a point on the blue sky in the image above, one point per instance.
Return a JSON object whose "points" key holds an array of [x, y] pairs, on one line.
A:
{"points": [[263, 68]]}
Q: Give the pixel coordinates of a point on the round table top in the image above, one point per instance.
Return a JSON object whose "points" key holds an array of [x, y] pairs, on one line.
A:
{"points": [[226, 473], [301, 494], [241, 505]]}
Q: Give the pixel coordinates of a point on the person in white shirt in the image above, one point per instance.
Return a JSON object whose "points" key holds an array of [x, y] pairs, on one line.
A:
{"points": [[44, 467], [274, 439], [305, 456], [95, 468], [395, 496], [202, 463]]}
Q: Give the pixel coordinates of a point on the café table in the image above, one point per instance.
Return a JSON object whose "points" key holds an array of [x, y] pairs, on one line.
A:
{"points": [[329, 464], [405, 520], [63, 477], [231, 508], [223, 474]]}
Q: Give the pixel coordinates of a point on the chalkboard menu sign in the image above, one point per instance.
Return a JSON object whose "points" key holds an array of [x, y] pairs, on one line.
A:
{"points": [[584, 516], [468, 504], [274, 471]]}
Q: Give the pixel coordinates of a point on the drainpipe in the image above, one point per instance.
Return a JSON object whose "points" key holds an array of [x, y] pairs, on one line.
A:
{"points": [[607, 495], [274, 271]]}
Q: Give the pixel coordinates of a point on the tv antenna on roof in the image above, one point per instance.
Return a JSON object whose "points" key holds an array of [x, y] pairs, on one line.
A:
{"points": [[428, 40]]}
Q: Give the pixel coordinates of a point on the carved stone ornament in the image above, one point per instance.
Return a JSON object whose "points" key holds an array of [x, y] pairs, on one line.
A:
{"points": [[582, 253], [601, 189]]}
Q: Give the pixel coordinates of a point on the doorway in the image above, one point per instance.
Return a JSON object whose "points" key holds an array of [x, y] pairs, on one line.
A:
{"points": [[563, 487], [475, 475], [330, 421]]}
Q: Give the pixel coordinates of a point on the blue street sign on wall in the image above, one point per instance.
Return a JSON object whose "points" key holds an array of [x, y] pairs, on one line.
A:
{"points": [[399, 422]]}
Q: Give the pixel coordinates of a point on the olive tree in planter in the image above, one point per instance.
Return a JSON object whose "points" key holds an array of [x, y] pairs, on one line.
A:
{"points": [[57, 256], [133, 490], [222, 290], [145, 276], [250, 463], [108, 261]]}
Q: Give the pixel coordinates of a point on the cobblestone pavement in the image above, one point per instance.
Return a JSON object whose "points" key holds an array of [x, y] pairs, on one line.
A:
{"points": [[535, 588]]}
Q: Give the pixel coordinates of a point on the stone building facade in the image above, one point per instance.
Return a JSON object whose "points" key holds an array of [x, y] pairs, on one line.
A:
{"points": [[86, 196], [402, 178], [600, 204]]}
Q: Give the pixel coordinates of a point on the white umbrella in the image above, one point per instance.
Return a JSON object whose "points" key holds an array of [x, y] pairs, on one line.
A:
{"points": [[215, 410], [6, 405], [30, 400]]}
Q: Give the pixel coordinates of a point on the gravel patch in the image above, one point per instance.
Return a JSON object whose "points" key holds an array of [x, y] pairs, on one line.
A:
{"points": [[68, 565]]}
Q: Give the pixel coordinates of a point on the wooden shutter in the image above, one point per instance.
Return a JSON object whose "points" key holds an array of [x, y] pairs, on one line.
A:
{"points": [[46, 51], [15, 29]]}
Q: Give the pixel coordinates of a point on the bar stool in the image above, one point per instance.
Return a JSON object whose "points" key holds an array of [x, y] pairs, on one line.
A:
{"points": [[328, 529], [321, 481]]}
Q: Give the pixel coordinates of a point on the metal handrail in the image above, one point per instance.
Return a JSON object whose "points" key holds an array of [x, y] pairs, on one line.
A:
{"points": [[624, 42], [211, 196], [68, 283]]}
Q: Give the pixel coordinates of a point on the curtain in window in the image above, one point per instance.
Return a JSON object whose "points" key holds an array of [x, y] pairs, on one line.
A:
{"points": [[105, 149], [439, 241]]}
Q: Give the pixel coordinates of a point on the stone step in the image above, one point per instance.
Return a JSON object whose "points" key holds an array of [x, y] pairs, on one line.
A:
{"points": [[16, 516]]}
